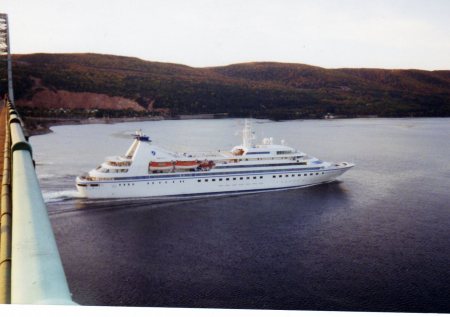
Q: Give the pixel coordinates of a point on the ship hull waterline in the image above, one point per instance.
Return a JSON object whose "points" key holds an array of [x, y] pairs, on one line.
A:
{"points": [[204, 184]]}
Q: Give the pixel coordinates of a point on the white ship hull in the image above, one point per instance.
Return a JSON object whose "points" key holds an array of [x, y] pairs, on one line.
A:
{"points": [[208, 183]]}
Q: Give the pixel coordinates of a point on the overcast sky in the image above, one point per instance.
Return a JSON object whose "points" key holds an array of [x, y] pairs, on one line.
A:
{"points": [[339, 33]]}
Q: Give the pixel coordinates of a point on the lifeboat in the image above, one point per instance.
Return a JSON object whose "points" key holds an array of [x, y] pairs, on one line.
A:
{"points": [[186, 165], [206, 165], [161, 166]]}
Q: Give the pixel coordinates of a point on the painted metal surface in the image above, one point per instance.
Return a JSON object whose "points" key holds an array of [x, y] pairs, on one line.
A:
{"points": [[37, 275], [5, 212]]}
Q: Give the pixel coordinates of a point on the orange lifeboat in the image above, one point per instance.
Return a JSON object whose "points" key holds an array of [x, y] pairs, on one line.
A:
{"points": [[186, 165], [160, 166]]}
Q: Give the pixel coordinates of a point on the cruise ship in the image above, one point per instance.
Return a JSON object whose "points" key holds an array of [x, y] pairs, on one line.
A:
{"points": [[148, 170]]}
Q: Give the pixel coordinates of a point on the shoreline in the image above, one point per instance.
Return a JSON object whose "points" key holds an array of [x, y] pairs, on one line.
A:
{"points": [[41, 125]]}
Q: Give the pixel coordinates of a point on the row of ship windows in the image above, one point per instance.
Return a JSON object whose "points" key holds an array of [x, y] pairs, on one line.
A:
{"points": [[293, 175], [265, 159], [268, 152], [227, 179], [113, 163], [130, 184], [148, 183], [105, 170], [255, 177]]}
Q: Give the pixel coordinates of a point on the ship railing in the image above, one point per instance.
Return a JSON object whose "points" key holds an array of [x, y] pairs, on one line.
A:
{"points": [[119, 159], [37, 274]]}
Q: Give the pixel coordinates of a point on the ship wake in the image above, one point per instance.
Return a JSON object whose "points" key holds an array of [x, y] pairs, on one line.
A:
{"points": [[56, 196]]}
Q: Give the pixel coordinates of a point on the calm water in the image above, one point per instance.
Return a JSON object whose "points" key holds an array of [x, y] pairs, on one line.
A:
{"points": [[377, 240]]}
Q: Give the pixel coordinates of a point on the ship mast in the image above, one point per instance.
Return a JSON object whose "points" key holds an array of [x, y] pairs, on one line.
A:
{"points": [[247, 135]]}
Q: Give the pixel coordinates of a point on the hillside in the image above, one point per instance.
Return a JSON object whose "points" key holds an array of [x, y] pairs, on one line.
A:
{"points": [[109, 85]]}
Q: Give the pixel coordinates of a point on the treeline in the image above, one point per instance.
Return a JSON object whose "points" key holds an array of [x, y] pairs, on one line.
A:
{"points": [[80, 113], [270, 90]]}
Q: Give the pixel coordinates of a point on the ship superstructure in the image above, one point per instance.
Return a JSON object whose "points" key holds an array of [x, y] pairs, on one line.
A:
{"points": [[147, 170]]}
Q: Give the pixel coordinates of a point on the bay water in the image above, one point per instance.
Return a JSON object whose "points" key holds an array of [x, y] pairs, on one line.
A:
{"points": [[378, 239]]}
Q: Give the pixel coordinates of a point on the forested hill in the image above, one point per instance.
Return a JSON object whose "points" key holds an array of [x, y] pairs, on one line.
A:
{"points": [[263, 89]]}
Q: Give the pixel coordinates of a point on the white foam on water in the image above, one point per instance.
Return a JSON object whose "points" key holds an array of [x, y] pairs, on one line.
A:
{"points": [[46, 176], [39, 163], [50, 197]]}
